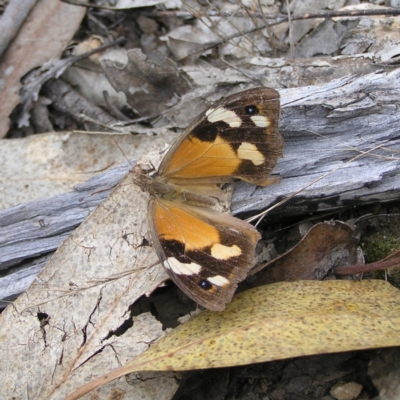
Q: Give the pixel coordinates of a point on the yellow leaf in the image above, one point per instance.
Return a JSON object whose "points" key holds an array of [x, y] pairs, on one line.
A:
{"points": [[282, 320]]}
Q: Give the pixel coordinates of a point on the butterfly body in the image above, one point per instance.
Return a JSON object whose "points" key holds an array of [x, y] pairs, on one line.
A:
{"points": [[205, 251]]}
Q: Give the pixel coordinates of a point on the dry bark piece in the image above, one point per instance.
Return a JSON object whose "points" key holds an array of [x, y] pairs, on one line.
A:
{"points": [[19, 279], [47, 20], [12, 19], [149, 88], [67, 100], [40, 115]]}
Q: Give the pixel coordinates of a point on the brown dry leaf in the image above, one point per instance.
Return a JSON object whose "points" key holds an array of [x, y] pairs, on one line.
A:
{"points": [[65, 326], [44, 165], [149, 88], [44, 35], [282, 320], [326, 245]]}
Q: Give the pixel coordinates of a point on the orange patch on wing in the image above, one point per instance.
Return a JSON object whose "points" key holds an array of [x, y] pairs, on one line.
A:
{"points": [[197, 159], [174, 223]]}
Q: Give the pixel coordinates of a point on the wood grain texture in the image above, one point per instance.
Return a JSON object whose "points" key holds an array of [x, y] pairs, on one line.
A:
{"points": [[324, 128], [350, 126]]}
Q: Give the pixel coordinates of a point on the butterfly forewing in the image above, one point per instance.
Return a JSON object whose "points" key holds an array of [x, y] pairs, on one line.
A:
{"points": [[235, 138]]}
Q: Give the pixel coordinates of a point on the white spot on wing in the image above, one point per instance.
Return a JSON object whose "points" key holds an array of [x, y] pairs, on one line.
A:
{"points": [[222, 114], [218, 280], [249, 151], [260, 120], [221, 252], [181, 268]]}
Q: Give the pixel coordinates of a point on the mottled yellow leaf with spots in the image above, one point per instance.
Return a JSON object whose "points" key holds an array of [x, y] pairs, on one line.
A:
{"points": [[282, 320]]}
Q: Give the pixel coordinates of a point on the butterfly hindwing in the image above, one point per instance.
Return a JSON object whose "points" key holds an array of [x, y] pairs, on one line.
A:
{"points": [[206, 253]]}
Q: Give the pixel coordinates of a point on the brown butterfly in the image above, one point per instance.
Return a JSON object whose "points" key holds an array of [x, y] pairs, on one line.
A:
{"points": [[207, 252]]}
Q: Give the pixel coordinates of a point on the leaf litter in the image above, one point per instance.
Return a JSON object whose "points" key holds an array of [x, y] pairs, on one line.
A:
{"points": [[98, 333], [274, 322]]}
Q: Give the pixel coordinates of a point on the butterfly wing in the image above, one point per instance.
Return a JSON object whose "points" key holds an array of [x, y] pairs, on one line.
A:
{"points": [[205, 252], [237, 137]]}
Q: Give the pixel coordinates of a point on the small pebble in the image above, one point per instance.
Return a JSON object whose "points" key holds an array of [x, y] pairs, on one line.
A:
{"points": [[346, 391], [147, 25]]}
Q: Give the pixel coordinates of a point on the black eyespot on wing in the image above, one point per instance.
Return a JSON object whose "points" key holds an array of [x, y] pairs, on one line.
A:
{"points": [[251, 110], [204, 284]]}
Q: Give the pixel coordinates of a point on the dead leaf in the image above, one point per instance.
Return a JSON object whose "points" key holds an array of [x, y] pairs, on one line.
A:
{"points": [[326, 245], [300, 28], [84, 294], [185, 41], [149, 88], [50, 22], [88, 78], [372, 36], [206, 32], [44, 165], [326, 38], [272, 322]]}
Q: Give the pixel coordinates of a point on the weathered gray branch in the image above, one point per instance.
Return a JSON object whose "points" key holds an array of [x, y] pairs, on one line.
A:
{"points": [[324, 128], [350, 126]]}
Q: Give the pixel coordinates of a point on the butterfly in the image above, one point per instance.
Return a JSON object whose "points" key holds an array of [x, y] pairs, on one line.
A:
{"points": [[205, 251]]}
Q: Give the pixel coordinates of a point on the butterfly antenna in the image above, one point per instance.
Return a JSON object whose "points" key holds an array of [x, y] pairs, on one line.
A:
{"points": [[137, 173], [120, 149]]}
